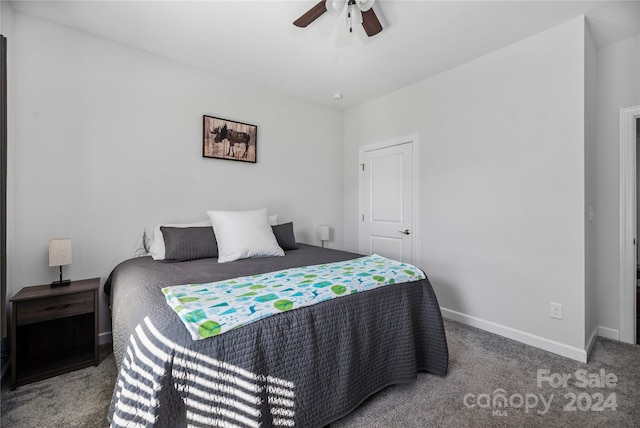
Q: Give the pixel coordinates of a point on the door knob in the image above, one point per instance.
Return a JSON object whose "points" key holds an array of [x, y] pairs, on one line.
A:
{"points": [[406, 231]]}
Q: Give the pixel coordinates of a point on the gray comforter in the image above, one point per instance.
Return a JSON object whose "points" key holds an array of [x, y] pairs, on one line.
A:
{"points": [[306, 367]]}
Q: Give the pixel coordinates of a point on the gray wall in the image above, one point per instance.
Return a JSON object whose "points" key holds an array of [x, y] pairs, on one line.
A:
{"points": [[109, 141], [591, 224], [502, 227]]}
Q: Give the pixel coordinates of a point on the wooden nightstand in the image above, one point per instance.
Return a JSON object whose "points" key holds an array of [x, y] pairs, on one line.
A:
{"points": [[53, 330]]}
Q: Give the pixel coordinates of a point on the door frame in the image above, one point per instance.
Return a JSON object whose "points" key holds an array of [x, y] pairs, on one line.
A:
{"points": [[628, 262], [414, 140]]}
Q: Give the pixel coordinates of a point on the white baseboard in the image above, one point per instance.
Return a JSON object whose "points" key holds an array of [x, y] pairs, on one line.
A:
{"points": [[592, 340], [609, 333], [104, 338], [518, 335], [601, 331]]}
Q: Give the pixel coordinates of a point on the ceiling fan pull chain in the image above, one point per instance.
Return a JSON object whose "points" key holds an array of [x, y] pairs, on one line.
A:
{"points": [[349, 20]]}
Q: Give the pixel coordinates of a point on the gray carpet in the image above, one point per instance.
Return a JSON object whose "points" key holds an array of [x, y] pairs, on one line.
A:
{"points": [[76, 399], [480, 364]]}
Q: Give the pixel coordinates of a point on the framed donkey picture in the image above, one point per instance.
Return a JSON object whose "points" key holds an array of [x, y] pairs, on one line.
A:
{"points": [[227, 139]]}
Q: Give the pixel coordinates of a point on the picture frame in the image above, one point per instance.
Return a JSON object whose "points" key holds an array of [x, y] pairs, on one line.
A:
{"points": [[229, 140]]}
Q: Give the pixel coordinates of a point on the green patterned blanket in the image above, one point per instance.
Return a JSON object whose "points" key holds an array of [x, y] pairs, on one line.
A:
{"points": [[217, 307]]}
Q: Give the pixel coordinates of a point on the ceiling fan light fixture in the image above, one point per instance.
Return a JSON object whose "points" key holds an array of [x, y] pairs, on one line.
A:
{"points": [[334, 7], [364, 5], [362, 14]]}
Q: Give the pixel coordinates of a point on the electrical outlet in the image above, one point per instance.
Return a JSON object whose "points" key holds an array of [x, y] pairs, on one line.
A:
{"points": [[556, 310]]}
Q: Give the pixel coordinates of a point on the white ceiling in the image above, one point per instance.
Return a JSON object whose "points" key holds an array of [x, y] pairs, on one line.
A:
{"points": [[255, 41]]}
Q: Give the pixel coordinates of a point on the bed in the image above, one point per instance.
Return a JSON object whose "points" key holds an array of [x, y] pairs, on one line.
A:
{"points": [[305, 367]]}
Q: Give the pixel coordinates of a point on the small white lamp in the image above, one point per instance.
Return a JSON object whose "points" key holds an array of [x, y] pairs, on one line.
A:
{"points": [[323, 233], [60, 255]]}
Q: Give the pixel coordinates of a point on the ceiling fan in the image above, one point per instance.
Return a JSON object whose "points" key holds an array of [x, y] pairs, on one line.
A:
{"points": [[370, 21]]}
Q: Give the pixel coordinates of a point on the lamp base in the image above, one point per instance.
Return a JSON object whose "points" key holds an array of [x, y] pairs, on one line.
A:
{"points": [[61, 283]]}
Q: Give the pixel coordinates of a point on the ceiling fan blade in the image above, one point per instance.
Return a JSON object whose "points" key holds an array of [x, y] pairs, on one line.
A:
{"points": [[311, 15], [371, 23]]}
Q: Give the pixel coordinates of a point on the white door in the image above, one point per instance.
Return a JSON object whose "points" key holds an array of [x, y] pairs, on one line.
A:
{"points": [[386, 218]]}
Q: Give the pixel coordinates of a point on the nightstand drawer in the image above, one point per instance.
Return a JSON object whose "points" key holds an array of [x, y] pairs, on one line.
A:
{"points": [[49, 308]]}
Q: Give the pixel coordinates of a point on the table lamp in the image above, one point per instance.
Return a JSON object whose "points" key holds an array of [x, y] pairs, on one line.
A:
{"points": [[60, 255], [323, 233]]}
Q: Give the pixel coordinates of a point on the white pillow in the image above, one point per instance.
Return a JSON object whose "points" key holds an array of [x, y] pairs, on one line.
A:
{"points": [[157, 249], [273, 219], [243, 234], [143, 244]]}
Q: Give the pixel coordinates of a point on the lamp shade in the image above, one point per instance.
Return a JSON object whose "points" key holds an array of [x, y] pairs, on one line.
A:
{"points": [[60, 252], [323, 233]]}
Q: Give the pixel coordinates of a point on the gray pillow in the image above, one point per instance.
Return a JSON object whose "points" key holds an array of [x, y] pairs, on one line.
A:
{"points": [[284, 236], [189, 243]]}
